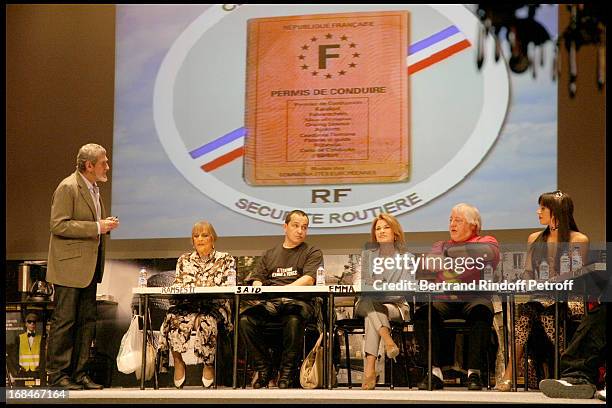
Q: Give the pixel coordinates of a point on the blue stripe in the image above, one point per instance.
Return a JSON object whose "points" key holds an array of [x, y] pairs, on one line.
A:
{"points": [[418, 46], [215, 144]]}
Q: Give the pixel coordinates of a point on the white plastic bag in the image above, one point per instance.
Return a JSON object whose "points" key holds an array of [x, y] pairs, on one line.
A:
{"points": [[129, 358]]}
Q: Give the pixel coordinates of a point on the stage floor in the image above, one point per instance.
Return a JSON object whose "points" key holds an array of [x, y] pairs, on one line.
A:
{"points": [[194, 394]]}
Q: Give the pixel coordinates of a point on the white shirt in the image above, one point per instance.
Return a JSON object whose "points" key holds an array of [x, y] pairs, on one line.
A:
{"points": [[96, 198]]}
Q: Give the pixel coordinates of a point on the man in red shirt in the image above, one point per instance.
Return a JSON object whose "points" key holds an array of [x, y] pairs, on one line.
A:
{"points": [[459, 260]]}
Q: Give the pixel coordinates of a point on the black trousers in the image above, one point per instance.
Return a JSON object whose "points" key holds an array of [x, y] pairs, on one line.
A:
{"points": [[479, 318], [586, 350], [259, 330], [73, 326]]}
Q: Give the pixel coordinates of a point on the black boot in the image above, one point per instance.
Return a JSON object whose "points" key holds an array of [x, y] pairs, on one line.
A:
{"points": [[287, 378], [288, 370], [263, 378], [436, 383], [474, 383], [263, 374]]}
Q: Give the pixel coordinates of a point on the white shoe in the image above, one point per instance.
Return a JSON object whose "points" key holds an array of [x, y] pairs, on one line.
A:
{"points": [[206, 382], [179, 383]]}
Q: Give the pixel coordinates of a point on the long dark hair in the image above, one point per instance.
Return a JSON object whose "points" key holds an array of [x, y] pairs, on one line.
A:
{"points": [[561, 208]]}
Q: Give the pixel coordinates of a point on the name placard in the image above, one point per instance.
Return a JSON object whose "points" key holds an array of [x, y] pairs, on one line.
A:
{"points": [[248, 289], [177, 290]]}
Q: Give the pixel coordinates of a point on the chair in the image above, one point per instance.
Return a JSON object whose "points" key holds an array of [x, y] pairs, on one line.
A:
{"points": [[158, 308], [536, 339], [224, 344], [311, 327], [348, 326], [356, 326], [460, 327]]}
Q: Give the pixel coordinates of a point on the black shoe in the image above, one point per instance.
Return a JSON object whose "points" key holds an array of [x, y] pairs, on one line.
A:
{"points": [[474, 383], [89, 384], [66, 384], [286, 378], [567, 388], [285, 383], [436, 383], [262, 380]]}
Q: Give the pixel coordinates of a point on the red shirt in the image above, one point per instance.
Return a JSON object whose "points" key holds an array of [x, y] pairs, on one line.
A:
{"points": [[468, 274]]}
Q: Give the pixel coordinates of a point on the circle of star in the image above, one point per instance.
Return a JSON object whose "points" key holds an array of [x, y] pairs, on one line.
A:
{"points": [[310, 46]]}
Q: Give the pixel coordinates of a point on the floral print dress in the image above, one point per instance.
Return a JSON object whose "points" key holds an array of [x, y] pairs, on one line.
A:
{"points": [[199, 315]]}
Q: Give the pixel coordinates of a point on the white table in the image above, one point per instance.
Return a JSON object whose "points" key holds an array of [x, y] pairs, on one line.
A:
{"points": [[330, 291], [237, 292]]}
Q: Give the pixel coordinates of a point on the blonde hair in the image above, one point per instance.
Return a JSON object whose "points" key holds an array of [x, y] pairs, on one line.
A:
{"points": [[398, 232], [204, 225]]}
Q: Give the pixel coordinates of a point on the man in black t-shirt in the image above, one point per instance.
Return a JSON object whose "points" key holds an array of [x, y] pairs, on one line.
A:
{"points": [[293, 262]]}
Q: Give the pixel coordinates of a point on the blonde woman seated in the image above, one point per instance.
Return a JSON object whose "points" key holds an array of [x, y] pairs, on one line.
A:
{"points": [[202, 267], [388, 240]]}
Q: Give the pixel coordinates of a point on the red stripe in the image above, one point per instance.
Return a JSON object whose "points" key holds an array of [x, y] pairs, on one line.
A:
{"points": [[220, 161], [438, 56]]}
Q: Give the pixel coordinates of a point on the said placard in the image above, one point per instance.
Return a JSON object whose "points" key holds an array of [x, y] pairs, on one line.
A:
{"points": [[327, 99]]}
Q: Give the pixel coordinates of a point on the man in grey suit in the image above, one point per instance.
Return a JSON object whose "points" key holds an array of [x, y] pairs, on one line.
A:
{"points": [[75, 266]]}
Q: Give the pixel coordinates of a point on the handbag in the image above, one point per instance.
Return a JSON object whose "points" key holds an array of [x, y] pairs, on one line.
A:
{"points": [[311, 372], [150, 368]]}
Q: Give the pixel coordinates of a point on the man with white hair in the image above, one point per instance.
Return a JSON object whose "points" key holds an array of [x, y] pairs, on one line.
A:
{"points": [[460, 260]]}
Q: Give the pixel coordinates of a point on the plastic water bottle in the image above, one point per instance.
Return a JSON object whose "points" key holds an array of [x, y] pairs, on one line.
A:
{"points": [[564, 263], [320, 275], [142, 278], [544, 270], [231, 277], [576, 259]]}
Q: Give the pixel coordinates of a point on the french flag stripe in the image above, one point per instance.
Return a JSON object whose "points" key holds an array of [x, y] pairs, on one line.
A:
{"points": [[215, 144]]}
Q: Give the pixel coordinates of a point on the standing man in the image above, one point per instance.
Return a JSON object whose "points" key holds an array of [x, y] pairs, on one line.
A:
{"points": [[75, 267], [294, 262]]}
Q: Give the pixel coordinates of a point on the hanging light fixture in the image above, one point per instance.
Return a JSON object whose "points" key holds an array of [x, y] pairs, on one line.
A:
{"points": [[526, 36]]}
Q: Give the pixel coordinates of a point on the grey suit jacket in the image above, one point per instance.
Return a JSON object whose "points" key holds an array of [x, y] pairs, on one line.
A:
{"points": [[74, 243]]}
